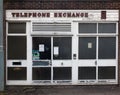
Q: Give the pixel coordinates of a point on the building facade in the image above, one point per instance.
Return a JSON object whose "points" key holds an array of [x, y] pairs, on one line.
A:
{"points": [[63, 42]]}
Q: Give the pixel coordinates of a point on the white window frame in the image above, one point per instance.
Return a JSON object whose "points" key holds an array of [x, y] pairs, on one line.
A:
{"points": [[113, 62]]}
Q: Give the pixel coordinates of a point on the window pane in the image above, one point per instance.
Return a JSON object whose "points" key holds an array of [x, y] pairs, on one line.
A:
{"points": [[106, 72], [17, 47], [41, 48], [106, 28], [87, 27], [17, 73], [62, 73], [87, 48], [107, 48], [87, 73], [41, 73], [63, 46], [17, 27]]}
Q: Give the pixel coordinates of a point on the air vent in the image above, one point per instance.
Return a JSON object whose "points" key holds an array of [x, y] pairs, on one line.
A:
{"points": [[51, 27], [38, 81], [103, 81], [87, 81], [82, 81], [62, 81]]}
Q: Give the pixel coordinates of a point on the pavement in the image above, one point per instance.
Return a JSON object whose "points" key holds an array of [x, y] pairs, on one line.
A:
{"points": [[61, 90]]}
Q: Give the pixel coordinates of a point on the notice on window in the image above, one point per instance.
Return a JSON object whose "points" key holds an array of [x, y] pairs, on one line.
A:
{"points": [[89, 45], [35, 55], [41, 47], [56, 50]]}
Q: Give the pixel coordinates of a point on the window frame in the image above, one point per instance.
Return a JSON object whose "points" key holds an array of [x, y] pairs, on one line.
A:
{"points": [[15, 34], [113, 62]]}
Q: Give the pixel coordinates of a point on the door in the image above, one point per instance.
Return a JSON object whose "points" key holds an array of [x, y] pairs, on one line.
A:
{"points": [[87, 59], [41, 59], [62, 59], [51, 58]]}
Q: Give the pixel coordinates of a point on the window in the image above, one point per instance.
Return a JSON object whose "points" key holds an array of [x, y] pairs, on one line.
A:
{"points": [[87, 73], [17, 73], [17, 47], [45, 42], [87, 48], [87, 27], [97, 51], [106, 44], [107, 48], [16, 27], [41, 73], [106, 72], [62, 73], [17, 44], [64, 45], [107, 28]]}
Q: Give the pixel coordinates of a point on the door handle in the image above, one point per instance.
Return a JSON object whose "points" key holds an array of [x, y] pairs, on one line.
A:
{"points": [[95, 62]]}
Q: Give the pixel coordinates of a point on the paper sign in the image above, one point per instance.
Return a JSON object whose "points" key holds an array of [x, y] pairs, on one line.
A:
{"points": [[56, 50], [89, 45], [41, 48]]}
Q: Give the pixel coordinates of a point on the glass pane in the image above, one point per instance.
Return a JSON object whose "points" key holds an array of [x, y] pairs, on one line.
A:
{"points": [[17, 73], [41, 73], [15, 27], [106, 28], [87, 73], [107, 48], [87, 48], [41, 48], [62, 47], [87, 28], [17, 47], [106, 73], [62, 73]]}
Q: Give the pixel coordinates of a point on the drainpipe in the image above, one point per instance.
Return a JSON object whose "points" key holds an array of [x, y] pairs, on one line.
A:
{"points": [[1, 48]]}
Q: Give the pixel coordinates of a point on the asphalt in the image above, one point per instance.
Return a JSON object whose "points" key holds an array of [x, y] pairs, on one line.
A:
{"points": [[61, 90]]}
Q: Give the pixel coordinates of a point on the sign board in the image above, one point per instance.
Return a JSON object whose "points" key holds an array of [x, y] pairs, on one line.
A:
{"points": [[82, 15]]}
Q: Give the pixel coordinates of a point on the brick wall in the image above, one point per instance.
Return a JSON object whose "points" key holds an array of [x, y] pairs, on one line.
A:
{"points": [[62, 4], [72, 4]]}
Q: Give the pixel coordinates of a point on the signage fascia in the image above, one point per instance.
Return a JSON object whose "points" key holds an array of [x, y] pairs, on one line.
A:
{"points": [[71, 15]]}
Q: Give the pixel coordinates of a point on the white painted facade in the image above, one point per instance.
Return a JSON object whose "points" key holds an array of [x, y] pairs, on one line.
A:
{"points": [[75, 63]]}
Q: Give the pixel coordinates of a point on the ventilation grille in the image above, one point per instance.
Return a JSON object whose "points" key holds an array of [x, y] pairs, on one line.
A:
{"points": [[63, 81], [51, 27], [38, 81]]}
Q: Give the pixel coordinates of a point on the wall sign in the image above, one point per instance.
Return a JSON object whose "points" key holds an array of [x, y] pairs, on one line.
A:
{"points": [[47, 14], [82, 15]]}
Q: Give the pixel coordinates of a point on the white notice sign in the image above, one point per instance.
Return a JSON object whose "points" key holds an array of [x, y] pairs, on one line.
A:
{"points": [[41, 48], [89, 45], [56, 50]]}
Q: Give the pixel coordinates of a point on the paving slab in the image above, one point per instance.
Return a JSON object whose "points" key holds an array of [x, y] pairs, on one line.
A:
{"points": [[62, 90]]}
